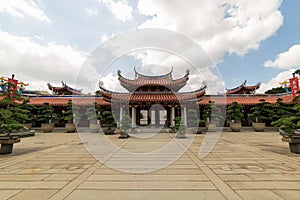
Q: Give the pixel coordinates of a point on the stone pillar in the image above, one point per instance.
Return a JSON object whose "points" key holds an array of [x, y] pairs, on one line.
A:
{"points": [[172, 116], [121, 114], [133, 117], [184, 116], [157, 117]]}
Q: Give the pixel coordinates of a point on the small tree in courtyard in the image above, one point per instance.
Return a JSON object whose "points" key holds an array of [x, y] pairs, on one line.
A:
{"points": [[262, 111], [235, 112], [212, 113], [11, 115]]}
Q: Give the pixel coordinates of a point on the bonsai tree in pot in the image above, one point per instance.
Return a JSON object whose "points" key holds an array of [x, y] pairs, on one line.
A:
{"points": [[108, 123], [201, 126], [282, 110], [11, 114], [47, 116], [29, 111], [93, 116], [192, 120], [289, 127], [125, 125], [213, 115], [235, 114], [71, 115], [176, 126], [262, 112]]}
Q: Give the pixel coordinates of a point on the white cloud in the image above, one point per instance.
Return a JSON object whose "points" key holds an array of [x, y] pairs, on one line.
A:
{"points": [[274, 82], [23, 8], [286, 60], [120, 9], [219, 26], [91, 11], [38, 64]]}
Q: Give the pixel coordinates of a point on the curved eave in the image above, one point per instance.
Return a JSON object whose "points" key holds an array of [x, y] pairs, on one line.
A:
{"points": [[237, 89], [152, 81], [243, 89], [246, 100], [61, 101]]}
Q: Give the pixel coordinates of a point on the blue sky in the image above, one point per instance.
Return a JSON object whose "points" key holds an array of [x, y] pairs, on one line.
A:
{"points": [[48, 41], [251, 66]]}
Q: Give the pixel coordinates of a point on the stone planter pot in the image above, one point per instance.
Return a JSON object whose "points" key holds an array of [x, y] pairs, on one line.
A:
{"points": [[201, 130], [211, 127], [108, 131], [235, 127], [293, 140], [181, 134], [7, 143], [28, 126], [123, 135], [70, 128], [47, 128], [94, 128], [259, 127]]}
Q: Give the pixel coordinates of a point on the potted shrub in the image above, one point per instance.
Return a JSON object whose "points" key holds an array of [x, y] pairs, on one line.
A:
{"points": [[289, 128], [92, 117], [282, 110], [179, 128], [192, 120], [47, 116], [71, 115], [29, 109], [235, 114], [201, 126], [125, 125], [213, 115], [108, 123], [10, 116], [262, 112]]}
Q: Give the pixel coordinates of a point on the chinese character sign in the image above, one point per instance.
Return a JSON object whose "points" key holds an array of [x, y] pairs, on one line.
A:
{"points": [[294, 85]]}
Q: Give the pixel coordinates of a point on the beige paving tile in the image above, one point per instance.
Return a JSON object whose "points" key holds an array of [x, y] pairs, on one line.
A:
{"points": [[258, 194], [153, 185], [34, 195], [288, 194], [146, 195], [5, 194], [23, 177], [149, 177], [274, 177], [234, 177], [32, 184], [61, 177], [269, 185]]}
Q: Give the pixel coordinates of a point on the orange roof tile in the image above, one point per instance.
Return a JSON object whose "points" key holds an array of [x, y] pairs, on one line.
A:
{"points": [[244, 99], [163, 80], [60, 101]]}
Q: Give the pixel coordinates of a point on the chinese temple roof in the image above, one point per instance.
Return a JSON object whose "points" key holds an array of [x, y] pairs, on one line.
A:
{"points": [[243, 89], [244, 99], [102, 101], [168, 96], [154, 97], [64, 90], [165, 80], [60, 101]]}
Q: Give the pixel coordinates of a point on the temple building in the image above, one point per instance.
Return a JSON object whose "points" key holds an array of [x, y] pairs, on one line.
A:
{"points": [[149, 100], [64, 90], [154, 100], [244, 89]]}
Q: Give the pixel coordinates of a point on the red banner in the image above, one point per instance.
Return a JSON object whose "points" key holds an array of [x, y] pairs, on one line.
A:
{"points": [[294, 85]]}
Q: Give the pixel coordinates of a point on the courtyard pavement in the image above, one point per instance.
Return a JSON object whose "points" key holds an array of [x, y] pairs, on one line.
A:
{"points": [[242, 165]]}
